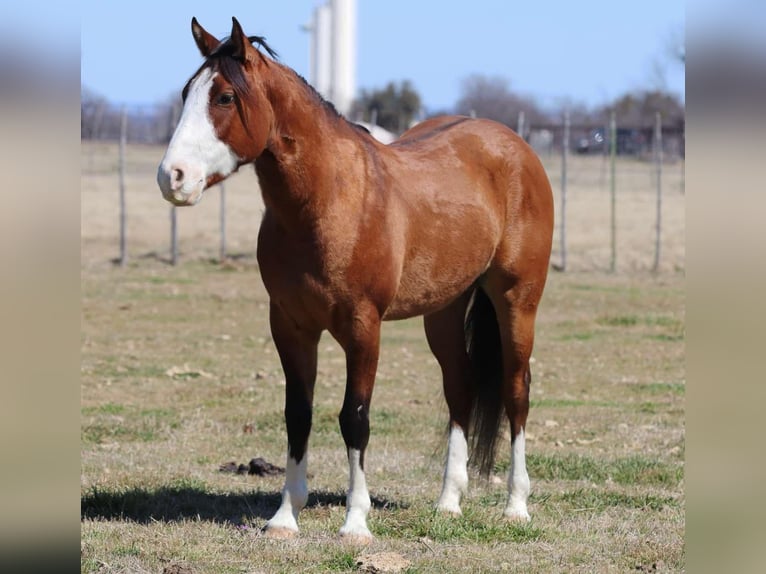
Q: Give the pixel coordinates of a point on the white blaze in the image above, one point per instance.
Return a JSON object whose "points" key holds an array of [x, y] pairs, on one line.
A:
{"points": [[195, 150]]}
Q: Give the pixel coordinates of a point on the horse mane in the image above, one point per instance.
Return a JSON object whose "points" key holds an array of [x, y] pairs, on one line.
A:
{"points": [[232, 71], [226, 48], [261, 41]]}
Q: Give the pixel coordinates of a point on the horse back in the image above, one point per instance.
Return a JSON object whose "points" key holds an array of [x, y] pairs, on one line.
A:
{"points": [[468, 190]]}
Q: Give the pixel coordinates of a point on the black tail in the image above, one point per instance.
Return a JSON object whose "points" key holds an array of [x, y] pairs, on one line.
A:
{"points": [[482, 339]]}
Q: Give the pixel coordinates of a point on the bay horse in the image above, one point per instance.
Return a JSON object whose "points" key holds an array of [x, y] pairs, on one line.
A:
{"points": [[453, 221]]}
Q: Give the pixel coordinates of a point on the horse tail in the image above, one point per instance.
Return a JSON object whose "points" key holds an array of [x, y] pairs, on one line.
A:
{"points": [[482, 339]]}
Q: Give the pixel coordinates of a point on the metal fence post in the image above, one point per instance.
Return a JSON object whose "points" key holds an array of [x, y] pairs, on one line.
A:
{"points": [[123, 216], [658, 169], [564, 157], [173, 236], [613, 187], [222, 255]]}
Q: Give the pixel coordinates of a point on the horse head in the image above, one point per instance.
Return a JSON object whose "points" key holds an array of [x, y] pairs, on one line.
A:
{"points": [[226, 119]]}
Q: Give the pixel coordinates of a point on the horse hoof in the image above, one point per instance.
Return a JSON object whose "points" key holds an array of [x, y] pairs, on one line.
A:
{"points": [[279, 533]]}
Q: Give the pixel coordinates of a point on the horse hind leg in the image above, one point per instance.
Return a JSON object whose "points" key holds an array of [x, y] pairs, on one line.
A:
{"points": [[446, 338], [516, 311]]}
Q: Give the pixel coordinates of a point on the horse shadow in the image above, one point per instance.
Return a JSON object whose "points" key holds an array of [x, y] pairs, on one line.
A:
{"points": [[173, 504]]}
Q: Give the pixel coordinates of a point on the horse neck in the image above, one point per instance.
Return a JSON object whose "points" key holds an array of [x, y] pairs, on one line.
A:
{"points": [[298, 168]]}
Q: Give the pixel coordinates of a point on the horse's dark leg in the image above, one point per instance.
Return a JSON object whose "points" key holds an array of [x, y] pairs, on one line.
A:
{"points": [[446, 338], [360, 338], [516, 309], [298, 353]]}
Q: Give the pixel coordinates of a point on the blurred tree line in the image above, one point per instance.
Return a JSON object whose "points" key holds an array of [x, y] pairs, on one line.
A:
{"points": [[397, 106], [394, 107]]}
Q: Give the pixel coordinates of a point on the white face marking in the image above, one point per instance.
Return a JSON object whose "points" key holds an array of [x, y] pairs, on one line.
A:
{"points": [[194, 152], [518, 481], [455, 472], [357, 500], [295, 494]]}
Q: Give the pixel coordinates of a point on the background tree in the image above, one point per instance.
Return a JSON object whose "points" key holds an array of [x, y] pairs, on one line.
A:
{"points": [[637, 109], [93, 111], [491, 97], [393, 107]]}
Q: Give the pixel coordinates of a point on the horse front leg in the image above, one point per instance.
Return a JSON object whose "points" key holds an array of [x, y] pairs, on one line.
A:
{"points": [[297, 350], [361, 345]]}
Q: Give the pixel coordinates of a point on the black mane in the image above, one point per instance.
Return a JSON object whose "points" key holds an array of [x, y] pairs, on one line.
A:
{"points": [[229, 67], [226, 47], [261, 41]]}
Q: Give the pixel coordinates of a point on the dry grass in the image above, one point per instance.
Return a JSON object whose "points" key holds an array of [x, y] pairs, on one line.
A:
{"points": [[605, 435]]}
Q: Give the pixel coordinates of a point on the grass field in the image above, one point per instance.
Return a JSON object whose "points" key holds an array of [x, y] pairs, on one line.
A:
{"points": [[177, 364]]}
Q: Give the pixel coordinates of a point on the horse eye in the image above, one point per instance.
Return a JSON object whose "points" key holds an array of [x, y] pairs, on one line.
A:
{"points": [[224, 99]]}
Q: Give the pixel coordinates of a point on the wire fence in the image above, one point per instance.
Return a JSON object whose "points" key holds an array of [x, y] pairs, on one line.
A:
{"points": [[619, 194]]}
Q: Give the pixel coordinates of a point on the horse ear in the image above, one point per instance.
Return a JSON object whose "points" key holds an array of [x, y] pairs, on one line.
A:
{"points": [[243, 49], [206, 42]]}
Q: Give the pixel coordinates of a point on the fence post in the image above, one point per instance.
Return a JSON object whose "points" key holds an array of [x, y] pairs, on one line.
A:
{"points": [[613, 187], [520, 125], [564, 157], [222, 255], [123, 216], [173, 236], [658, 168]]}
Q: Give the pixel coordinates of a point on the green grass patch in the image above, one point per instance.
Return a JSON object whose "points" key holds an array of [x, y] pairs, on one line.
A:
{"points": [[618, 321], [634, 470], [640, 470], [439, 527], [113, 368], [667, 337], [117, 423], [596, 499], [101, 432], [666, 321], [169, 279], [648, 408], [132, 550], [567, 403], [659, 388], [340, 561], [579, 336], [105, 409]]}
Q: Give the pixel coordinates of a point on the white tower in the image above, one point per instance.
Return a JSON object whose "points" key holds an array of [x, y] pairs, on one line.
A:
{"points": [[333, 52], [322, 50], [343, 54]]}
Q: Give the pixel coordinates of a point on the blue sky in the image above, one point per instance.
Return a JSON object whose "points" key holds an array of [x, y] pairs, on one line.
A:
{"points": [[589, 51]]}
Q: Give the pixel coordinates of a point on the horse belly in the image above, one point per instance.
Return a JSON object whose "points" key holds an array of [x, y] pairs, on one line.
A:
{"points": [[433, 278]]}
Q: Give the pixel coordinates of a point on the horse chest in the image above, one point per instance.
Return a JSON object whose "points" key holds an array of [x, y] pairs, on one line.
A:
{"points": [[299, 276]]}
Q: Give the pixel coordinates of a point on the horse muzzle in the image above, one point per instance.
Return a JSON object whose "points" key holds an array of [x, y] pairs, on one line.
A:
{"points": [[179, 186]]}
